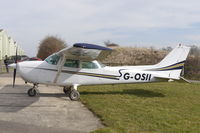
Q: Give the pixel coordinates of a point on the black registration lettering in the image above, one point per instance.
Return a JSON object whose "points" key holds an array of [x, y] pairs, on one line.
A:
{"points": [[149, 77], [143, 76], [137, 76], [126, 76]]}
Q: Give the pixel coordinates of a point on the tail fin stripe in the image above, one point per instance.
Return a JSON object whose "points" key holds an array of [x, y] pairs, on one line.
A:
{"points": [[179, 67], [175, 66], [182, 62]]}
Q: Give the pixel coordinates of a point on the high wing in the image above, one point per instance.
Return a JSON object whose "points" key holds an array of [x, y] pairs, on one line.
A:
{"points": [[81, 51], [85, 51]]}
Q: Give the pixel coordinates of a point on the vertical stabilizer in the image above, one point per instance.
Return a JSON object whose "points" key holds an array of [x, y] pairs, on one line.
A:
{"points": [[173, 63]]}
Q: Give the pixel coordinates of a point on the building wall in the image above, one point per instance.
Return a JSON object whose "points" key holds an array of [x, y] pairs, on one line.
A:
{"points": [[8, 46], [1, 49]]}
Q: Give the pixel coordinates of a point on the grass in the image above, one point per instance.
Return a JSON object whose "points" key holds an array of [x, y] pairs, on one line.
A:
{"points": [[145, 108]]}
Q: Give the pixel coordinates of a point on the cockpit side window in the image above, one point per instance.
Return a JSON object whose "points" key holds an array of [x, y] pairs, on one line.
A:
{"points": [[89, 65], [53, 59], [71, 63]]}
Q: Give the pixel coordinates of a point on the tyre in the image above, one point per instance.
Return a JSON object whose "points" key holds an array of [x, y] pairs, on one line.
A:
{"points": [[32, 92], [74, 95]]}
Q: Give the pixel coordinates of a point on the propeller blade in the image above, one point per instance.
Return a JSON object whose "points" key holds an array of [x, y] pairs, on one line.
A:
{"points": [[14, 76], [16, 56], [15, 69]]}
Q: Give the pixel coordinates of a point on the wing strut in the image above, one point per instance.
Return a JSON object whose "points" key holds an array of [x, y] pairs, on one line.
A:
{"points": [[60, 66]]}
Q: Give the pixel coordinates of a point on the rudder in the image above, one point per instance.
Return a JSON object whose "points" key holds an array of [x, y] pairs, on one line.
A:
{"points": [[173, 63]]}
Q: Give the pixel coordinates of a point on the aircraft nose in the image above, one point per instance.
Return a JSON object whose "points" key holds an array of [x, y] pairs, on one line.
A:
{"points": [[12, 65]]}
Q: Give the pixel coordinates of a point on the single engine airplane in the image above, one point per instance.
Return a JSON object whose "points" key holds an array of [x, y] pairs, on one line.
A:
{"points": [[77, 65]]}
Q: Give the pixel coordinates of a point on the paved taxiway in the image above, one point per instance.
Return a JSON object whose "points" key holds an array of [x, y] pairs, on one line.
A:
{"points": [[50, 112]]}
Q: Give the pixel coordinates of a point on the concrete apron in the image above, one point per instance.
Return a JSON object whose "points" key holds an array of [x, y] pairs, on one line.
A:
{"points": [[51, 111]]}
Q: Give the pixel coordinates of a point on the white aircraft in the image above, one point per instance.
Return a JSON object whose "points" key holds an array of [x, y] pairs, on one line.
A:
{"points": [[77, 65]]}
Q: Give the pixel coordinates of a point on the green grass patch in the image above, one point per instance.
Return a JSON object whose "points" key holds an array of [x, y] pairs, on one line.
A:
{"points": [[145, 108]]}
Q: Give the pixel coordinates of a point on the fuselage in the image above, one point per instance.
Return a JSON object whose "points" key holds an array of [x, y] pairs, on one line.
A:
{"points": [[77, 66], [42, 72]]}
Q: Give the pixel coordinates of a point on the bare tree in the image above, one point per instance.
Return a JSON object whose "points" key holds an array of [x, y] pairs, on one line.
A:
{"points": [[168, 49], [49, 45], [108, 43]]}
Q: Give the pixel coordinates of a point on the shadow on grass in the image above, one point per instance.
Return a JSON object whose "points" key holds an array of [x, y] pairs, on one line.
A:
{"points": [[137, 92], [144, 93]]}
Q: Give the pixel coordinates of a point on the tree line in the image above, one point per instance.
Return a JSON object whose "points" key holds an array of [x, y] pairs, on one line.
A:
{"points": [[128, 55]]}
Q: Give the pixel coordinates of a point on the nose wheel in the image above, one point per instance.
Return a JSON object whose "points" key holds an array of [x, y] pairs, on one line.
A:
{"points": [[32, 91]]}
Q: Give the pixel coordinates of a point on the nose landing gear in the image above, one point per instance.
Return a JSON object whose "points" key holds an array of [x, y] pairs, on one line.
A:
{"points": [[32, 91]]}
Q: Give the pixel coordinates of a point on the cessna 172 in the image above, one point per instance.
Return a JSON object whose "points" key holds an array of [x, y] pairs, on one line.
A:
{"points": [[77, 65]]}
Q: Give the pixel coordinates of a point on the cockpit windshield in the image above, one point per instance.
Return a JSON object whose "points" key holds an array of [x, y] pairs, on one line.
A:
{"points": [[89, 65], [53, 59]]}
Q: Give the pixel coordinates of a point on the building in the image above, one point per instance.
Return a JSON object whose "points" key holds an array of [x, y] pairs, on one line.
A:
{"points": [[8, 45]]}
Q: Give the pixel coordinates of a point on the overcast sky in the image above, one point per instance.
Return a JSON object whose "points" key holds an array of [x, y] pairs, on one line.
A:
{"points": [[157, 23]]}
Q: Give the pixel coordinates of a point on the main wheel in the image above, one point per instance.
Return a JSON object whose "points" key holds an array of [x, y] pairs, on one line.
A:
{"points": [[32, 92], [74, 95], [66, 90]]}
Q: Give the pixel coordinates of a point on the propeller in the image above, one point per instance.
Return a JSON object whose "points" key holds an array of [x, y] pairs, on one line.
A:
{"points": [[15, 69]]}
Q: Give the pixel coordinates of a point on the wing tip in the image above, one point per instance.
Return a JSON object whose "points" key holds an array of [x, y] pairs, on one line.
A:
{"points": [[91, 46]]}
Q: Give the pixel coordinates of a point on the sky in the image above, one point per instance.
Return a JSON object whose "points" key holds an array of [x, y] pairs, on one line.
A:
{"points": [[141, 23]]}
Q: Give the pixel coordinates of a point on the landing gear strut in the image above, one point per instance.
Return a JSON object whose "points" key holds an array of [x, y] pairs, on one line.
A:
{"points": [[66, 90], [32, 91]]}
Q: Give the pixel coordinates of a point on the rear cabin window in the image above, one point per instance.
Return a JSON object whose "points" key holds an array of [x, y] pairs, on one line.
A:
{"points": [[53, 59], [89, 65], [71, 63]]}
